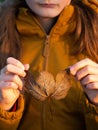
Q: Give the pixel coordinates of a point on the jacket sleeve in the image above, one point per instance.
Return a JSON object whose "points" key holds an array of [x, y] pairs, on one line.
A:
{"points": [[10, 120], [90, 114]]}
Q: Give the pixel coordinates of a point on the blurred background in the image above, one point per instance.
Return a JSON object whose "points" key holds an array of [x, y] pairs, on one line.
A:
{"points": [[4, 0], [1, 0]]}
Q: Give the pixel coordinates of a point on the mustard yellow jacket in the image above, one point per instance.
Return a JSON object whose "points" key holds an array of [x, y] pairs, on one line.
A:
{"points": [[52, 53]]}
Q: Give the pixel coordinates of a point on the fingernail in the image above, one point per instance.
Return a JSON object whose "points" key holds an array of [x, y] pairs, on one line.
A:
{"points": [[71, 70]]}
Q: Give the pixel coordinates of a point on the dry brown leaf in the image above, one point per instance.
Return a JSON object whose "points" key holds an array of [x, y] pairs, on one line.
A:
{"points": [[46, 86]]}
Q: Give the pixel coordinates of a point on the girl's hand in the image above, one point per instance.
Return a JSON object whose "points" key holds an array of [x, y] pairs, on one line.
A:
{"points": [[11, 83], [86, 71]]}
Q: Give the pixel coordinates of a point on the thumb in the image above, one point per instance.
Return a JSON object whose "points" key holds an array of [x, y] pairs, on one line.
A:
{"points": [[27, 66]]}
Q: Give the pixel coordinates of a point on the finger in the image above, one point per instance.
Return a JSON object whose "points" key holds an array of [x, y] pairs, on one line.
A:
{"points": [[92, 94], [13, 69], [5, 85], [89, 79], [88, 70], [13, 78], [85, 62], [26, 66], [15, 62], [92, 86]]}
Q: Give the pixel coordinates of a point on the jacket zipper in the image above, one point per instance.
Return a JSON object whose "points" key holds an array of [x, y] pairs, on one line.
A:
{"points": [[46, 46], [46, 52]]}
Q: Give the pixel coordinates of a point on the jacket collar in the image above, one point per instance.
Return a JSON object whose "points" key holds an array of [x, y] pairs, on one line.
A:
{"points": [[27, 23]]}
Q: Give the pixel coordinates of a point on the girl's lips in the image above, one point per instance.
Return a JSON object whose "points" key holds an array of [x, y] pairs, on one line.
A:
{"points": [[48, 5]]}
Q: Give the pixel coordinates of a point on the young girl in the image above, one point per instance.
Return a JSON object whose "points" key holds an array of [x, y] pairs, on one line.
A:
{"points": [[46, 37]]}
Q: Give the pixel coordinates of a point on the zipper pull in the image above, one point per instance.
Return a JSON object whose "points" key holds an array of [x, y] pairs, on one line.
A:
{"points": [[46, 47], [46, 52]]}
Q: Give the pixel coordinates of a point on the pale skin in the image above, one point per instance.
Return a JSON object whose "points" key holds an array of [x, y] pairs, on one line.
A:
{"points": [[86, 71], [11, 83]]}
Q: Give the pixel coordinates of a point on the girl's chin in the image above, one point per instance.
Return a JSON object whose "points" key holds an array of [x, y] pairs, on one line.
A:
{"points": [[47, 15]]}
